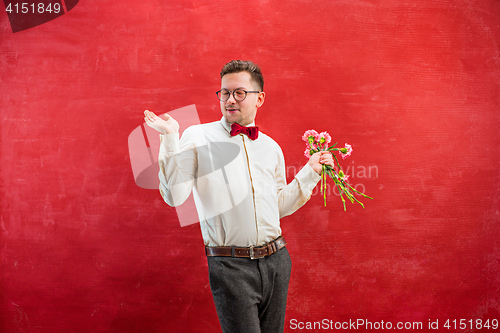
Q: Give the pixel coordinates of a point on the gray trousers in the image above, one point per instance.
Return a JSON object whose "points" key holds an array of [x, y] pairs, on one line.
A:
{"points": [[250, 295]]}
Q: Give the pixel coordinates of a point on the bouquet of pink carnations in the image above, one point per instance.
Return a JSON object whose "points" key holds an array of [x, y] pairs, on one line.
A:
{"points": [[319, 141]]}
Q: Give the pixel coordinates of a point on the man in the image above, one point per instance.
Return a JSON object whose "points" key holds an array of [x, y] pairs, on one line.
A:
{"points": [[238, 179]]}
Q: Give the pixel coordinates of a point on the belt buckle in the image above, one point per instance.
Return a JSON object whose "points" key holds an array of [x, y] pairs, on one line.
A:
{"points": [[251, 253]]}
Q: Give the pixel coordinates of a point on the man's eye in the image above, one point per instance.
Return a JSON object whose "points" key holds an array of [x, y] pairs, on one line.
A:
{"points": [[240, 93]]}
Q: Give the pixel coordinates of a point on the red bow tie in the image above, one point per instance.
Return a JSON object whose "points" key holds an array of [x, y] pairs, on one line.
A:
{"points": [[252, 132]]}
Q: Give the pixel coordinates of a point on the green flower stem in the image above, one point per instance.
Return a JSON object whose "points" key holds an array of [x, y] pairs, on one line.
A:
{"points": [[361, 193], [336, 160], [331, 147], [323, 175], [343, 187], [341, 197]]}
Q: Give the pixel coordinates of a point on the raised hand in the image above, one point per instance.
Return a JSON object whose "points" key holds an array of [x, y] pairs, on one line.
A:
{"points": [[167, 126]]}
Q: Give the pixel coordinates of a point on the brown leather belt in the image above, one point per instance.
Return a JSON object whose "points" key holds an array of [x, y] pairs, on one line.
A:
{"points": [[252, 252]]}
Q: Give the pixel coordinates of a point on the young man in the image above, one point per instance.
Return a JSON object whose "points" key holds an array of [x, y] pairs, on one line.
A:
{"points": [[238, 179]]}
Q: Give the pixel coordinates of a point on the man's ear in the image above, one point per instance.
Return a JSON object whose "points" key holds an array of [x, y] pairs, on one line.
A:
{"points": [[260, 99]]}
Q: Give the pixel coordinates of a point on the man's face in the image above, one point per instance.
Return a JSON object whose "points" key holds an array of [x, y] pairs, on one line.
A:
{"points": [[241, 112]]}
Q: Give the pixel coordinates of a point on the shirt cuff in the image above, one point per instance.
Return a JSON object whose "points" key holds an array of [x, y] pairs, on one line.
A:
{"points": [[170, 142], [308, 176]]}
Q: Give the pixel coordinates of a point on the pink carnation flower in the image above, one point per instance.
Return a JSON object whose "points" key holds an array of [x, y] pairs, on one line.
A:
{"points": [[346, 152], [307, 152], [310, 135], [343, 176], [324, 135]]}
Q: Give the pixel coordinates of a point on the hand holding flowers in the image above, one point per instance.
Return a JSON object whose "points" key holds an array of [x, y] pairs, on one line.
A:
{"points": [[317, 160], [318, 142]]}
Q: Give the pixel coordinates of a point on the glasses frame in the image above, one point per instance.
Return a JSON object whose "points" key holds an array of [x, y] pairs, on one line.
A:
{"points": [[231, 92]]}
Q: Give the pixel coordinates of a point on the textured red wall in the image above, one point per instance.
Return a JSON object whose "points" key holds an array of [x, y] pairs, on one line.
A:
{"points": [[412, 85]]}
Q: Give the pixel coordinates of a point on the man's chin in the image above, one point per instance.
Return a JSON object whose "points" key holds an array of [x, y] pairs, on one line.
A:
{"points": [[231, 120]]}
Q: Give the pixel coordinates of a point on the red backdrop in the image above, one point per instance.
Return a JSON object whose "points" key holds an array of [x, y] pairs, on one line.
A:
{"points": [[413, 86]]}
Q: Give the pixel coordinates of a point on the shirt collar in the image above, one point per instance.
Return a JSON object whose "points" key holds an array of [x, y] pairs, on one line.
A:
{"points": [[227, 126]]}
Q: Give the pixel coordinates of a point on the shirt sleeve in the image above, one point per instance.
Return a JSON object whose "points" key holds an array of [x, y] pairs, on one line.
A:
{"points": [[178, 164], [294, 195]]}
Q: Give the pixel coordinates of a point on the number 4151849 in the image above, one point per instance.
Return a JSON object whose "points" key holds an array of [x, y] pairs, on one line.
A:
{"points": [[40, 8], [478, 324]]}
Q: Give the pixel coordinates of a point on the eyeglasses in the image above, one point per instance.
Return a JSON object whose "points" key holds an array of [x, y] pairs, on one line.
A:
{"points": [[238, 94]]}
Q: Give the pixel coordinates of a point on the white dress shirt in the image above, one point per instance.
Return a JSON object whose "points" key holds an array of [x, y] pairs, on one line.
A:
{"points": [[239, 185]]}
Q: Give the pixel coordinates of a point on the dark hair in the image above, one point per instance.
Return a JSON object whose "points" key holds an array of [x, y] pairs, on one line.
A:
{"points": [[237, 66]]}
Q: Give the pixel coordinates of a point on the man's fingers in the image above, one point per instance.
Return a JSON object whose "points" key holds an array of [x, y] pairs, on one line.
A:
{"points": [[164, 125], [150, 116], [326, 158]]}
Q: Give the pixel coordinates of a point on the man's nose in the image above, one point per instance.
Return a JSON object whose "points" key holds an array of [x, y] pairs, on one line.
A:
{"points": [[231, 98]]}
